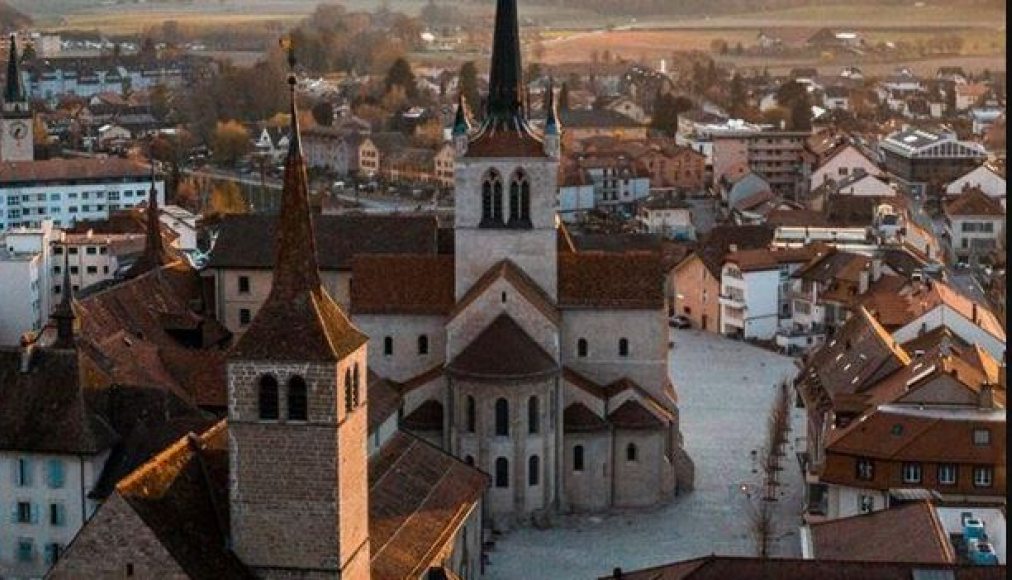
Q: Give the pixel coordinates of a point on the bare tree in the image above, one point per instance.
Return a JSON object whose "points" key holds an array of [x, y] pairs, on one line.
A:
{"points": [[762, 526]]}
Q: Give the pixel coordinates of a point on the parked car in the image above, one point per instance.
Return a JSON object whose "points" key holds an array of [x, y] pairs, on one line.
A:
{"points": [[679, 321]]}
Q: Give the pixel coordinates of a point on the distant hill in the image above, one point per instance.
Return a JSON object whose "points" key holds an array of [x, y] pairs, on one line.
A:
{"points": [[712, 7], [12, 19]]}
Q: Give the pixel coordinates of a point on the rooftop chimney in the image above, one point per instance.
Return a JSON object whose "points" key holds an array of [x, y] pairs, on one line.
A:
{"points": [[986, 399], [975, 316]]}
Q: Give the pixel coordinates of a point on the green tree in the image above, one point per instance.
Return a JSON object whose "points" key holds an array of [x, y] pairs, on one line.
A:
{"points": [[400, 75], [468, 84], [793, 96], [323, 113], [667, 108]]}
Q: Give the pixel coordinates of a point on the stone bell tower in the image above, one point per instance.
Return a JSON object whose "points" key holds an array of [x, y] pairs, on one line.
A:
{"points": [[17, 135]]}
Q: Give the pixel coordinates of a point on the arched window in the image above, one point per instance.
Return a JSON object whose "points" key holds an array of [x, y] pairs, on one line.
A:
{"points": [[491, 199], [525, 201], [533, 422], [581, 347], [623, 347], [520, 199], [349, 399], [502, 417], [471, 418], [578, 458], [298, 402], [388, 345], [267, 398], [469, 460], [502, 472], [533, 470], [631, 452], [423, 344], [356, 388]]}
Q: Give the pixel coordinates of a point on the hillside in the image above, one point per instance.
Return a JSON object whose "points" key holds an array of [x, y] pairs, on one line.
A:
{"points": [[713, 7], [11, 19]]}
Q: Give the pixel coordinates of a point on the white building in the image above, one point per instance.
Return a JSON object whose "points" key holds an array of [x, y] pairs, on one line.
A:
{"points": [[975, 224], [843, 163], [70, 190], [984, 178], [668, 216], [939, 305], [23, 276], [866, 185], [754, 286], [184, 223]]}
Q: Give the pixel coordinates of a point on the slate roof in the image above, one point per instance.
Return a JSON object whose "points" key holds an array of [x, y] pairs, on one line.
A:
{"points": [[632, 280], [402, 284], [503, 351], [44, 410], [248, 241], [907, 533]]}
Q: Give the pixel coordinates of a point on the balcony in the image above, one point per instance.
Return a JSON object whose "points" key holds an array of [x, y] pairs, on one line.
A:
{"points": [[732, 301]]}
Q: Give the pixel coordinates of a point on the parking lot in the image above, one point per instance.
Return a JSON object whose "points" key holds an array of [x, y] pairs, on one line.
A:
{"points": [[725, 391]]}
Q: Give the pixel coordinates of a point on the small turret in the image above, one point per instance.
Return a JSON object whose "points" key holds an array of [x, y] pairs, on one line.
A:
{"points": [[461, 127], [553, 129]]}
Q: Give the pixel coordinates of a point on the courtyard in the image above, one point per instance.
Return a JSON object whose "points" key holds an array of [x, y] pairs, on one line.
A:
{"points": [[725, 390]]}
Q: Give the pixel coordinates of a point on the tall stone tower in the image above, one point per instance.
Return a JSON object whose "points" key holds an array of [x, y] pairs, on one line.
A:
{"points": [[297, 415], [17, 137], [506, 175]]}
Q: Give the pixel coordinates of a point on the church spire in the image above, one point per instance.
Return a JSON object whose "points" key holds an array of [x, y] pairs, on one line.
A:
{"points": [[551, 117], [154, 255], [14, 92], [63, 314], [505, 90]]}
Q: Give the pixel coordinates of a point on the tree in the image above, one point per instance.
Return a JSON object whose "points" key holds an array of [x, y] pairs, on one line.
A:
{"points": [[226, 198], [323, 113], [230, 142], [467, 84], [667, 108], [793, 96], [737, 100], [400, 75], [564, 97]]}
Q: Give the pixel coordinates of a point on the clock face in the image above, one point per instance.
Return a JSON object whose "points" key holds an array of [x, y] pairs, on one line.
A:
{"points": [[19, 131]]}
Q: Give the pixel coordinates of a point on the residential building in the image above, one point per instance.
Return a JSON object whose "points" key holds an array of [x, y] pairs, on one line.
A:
{"points": [[984, 118], [583, 124], [22, 276], [969, 94], [780, 157], [375, 148], [667, 215], [985, 178], [922, 161], [843, 162], [67, 191], [754, 287], [974, 224], [836, 97], [863, 184], [52, 78]]}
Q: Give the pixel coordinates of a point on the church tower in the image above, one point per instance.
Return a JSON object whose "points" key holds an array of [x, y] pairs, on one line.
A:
{"points": [[17, 137], [506, 176], [297, 414]]}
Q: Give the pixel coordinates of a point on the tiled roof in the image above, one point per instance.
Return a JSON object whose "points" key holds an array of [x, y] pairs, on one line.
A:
{"points": [[768, 259], [974, 202], [897, 309], [44, 410], [384, 400], [427, 417], [419, 497], [74, 169], [908, 533], [402, 284], [182, 497], [834, 265], [638, 242], [577, 418], [719, 241], [503, 351], [248, 241], [755, 200], [633, 415], [750, 568], [494, 143], [796, 218], [633, 280], [516, 276]]}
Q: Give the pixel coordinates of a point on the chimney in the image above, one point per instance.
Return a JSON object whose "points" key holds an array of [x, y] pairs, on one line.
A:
{"points": [[986, 399], [975, 315]]}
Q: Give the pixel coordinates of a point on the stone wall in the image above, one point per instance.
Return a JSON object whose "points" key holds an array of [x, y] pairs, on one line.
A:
{"points": [[406, 361]]}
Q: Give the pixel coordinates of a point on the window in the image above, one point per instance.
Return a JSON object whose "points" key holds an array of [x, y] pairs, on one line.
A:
{"points": [[581, 348], [54, 473], [356, 389], [23, 513], [92, 269], [631, 452], [469, 460], [491, 199], [865, 503], [578, 458], [502, 417], [243, 284], [298, 401], [865, 469], [471, 414], [533, 423], [982, 476], [57, 514], [268, 398], [520, 200], [245, 317], [911, 473], [91, 250], [981, 437], [623, 347], [26, 550], [423, 344], [388, 345], [53, 552], [947, 474], [533, 470], [349, 402], [23, 472], [502, 472]]}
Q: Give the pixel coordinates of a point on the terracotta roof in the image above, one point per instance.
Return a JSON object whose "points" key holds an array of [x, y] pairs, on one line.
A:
{"points": [[44, 410], [503, 351], [908, 533], [182, 497], [384, 400], [796, 218], [633, 280], [768, 259], [577, 418], [750, 568], [78, 169], [248, 241], [833, 265], [974, 202], [720, 240], [155, 254], [755, 200], [496, 143], [633, 415], [897, 309], [419, 497], [402, 284], [427, 417], [638, 242], [421, 380], [512, 273]]}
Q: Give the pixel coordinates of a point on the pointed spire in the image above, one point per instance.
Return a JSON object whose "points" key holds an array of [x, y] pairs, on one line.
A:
{"points": [[155, 254], [461, 126], [14, 92], [63, 314], [551, 117], [505, 91]]}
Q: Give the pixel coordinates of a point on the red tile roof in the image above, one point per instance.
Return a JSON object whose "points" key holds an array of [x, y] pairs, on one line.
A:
{"points": [[74, 169], [512, 273], [402, 284], [908, 533], [503, 351], [974, 202], [634, 280]]}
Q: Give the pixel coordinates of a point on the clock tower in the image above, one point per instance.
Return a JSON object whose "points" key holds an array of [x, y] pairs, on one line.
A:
{"points": [[17, 136]]}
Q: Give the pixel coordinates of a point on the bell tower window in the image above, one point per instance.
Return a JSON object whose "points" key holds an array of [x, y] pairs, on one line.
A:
{"points": [[491, 200], [267, 398], [298, 408], [520, 200]]}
